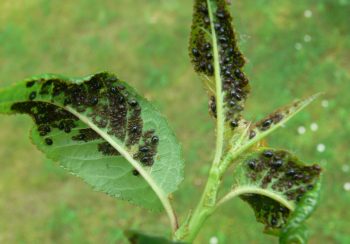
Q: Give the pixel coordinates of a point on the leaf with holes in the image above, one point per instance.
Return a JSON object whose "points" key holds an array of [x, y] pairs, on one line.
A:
{"points": [[215, 56], [101, 130], [274, 183]]}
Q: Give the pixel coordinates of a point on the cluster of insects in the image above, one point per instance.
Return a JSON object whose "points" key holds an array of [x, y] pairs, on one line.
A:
{"points": [[102, 98], [280, 171], [234, 82]]}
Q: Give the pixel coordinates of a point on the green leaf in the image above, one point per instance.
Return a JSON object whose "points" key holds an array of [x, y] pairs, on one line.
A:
{"points": [[101, 130], [274, 183], [215, 56], [295, 231], [258, 131], [135, 237]]}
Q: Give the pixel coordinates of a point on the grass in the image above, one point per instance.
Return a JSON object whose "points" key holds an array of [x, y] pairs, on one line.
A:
{"points": [[145, 43]]}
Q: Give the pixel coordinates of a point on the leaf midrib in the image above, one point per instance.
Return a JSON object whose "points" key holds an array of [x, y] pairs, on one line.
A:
{"points": [[219, 101], [147, 177]]}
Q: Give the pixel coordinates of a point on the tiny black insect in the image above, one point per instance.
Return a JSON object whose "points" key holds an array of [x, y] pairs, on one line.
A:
{"points": [[135, 172], [133, 103], [276, 164], [93, 101], [268, 153], [144, 160], [48, 141], [290, 172], [233, 123], [67, 129], [207, 46], [195, 52], [267, 123], [30, 83], [155, 139], [144, 149], [252, 134], [32, 96], [252, 164], [134, 129]]}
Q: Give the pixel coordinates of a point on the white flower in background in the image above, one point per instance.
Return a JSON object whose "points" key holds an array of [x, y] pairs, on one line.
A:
{"points": [[325, 103], [314, 126], [298, 46], [347, 186], [213, 240], [307, 38], [321, 147], [345, 168], [301, 130], [308, 13]]}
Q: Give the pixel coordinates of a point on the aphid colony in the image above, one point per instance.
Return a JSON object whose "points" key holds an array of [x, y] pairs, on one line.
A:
{"points": [[104, 100], [269, 212], [234, 82], [271, 120], [278, 170]]}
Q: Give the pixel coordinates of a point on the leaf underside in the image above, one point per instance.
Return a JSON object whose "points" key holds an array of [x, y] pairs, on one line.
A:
{"points": [[213, 45], [101, 130], [278, 182]]}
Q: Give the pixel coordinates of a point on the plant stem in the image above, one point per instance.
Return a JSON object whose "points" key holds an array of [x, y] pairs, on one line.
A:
{"points": [[188, 231]]}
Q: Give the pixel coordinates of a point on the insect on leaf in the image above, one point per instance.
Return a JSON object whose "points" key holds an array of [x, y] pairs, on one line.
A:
{"points": [[101, 130], [275, 184], [215, 56], [266, 126]]}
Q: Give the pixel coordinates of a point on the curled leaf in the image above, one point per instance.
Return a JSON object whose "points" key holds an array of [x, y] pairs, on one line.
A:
{"points": [[216, 57], [274, 182], [295, 231]]}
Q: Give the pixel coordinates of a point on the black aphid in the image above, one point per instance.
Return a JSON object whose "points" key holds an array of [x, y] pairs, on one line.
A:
{"points": [[30, 83], [252, 164], [48, 141], [155, 139], [195, 52], [268, 154], [32, 96], [233, 123], [267, 123], [277, 163], [133, 103], [135, 172], [144, 149]]}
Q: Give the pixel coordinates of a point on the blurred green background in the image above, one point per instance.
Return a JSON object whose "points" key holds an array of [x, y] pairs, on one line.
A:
{"points": [[295, 48]]}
